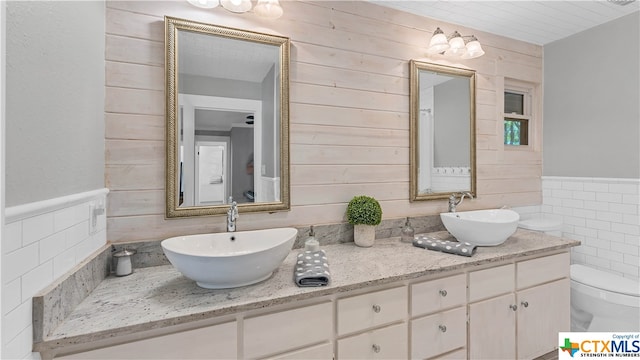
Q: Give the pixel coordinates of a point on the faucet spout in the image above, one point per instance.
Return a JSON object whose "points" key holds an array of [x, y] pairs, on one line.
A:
{"points": [[232, 215], [453, 201]]}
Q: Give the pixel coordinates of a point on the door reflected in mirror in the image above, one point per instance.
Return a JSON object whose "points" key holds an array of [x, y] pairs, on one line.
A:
{"points": [[227, 119], [442, 116]]}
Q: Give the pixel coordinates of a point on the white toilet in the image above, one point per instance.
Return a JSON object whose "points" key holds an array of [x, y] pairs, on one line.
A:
{"points": [[600, 301], [603, 302]]}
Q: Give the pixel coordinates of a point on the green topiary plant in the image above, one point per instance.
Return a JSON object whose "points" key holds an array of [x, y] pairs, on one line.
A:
{"points": [[364, 210]]}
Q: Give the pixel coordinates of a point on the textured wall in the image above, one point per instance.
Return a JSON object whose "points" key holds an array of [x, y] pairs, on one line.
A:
{"points": [[591, 107], [349, 114], [55, 99]]}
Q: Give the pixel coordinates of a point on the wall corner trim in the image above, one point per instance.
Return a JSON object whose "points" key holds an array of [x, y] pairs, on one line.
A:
{"points": [[21, 212]]}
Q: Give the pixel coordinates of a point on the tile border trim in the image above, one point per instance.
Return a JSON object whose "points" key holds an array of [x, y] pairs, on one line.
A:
{"points": [[21, 212]]}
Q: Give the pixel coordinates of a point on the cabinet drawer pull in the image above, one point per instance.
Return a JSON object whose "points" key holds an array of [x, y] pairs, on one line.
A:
{"points": [[525, 303], [376, 308], [442, 328], [443, 293], [376, 348], [513, 307]]}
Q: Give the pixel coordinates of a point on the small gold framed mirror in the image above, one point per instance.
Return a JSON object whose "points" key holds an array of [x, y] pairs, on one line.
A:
{"points": [[442, 131]]}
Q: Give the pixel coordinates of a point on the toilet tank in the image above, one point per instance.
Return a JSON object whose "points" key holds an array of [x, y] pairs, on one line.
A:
{"points": [[549, 224]]}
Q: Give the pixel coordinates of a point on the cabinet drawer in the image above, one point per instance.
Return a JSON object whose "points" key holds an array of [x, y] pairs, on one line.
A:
{"points": [[218, 341], [491, 282], [281, 331], [435, 295], [319, 352], [369, 310], [439, 333], [541, 270], [386, 343]]}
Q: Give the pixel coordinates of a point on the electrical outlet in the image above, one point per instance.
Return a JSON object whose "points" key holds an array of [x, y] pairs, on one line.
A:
{"points": [[94, 211], [93, 220]]}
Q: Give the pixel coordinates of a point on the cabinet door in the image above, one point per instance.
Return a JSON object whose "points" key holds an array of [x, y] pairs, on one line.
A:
{"points": [[386, 343], [439, 333], [492, 329], [213, 342], [543, 311]]}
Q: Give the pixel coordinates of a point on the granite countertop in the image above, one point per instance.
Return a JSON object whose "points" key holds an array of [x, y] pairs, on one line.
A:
{"points": [[160, 296]]}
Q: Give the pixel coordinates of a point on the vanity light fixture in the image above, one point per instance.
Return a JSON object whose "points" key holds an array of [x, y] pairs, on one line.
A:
{"points": [[455, 45], [269, 9]]}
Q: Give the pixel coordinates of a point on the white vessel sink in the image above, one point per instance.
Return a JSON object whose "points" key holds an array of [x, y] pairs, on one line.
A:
{"points": [[481, 227], [230, 259]]}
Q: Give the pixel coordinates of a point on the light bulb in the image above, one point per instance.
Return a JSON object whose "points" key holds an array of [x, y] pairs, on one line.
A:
{"points": [[438, 42], [269, 9], [474, 49], [237, 6], [456, 43]]}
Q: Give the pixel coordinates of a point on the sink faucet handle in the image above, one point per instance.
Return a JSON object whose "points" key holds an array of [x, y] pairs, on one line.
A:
{"points": [[467, 194], [453, 201]]}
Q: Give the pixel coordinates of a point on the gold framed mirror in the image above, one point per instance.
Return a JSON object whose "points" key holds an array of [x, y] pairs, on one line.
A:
{"points": [[227, 111], [442, 131]]}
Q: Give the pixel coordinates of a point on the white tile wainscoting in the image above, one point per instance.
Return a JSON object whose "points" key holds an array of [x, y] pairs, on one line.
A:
{"points": [[603, 213], [43, 241]]}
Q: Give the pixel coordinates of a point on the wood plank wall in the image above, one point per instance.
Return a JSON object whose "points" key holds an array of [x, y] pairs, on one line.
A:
{"points": [[349, 114]]}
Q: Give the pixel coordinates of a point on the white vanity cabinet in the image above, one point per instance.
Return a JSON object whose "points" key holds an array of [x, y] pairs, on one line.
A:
{"points": [[517, 310], [382, 316], [512, 309], [444, 328]]}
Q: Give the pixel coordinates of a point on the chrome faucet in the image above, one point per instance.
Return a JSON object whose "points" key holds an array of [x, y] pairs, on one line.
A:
{"points": [[232, 215], [453, 202]]}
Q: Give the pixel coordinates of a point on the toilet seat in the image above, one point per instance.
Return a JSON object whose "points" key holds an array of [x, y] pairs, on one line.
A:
{"points": [[604, 281], [605, 286]]}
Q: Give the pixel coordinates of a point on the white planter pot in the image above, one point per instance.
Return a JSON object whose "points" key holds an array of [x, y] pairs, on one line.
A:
{"points": [[364, 235]]}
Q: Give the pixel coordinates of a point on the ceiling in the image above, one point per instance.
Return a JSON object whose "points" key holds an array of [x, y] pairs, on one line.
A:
{"points": [[537, 22]]}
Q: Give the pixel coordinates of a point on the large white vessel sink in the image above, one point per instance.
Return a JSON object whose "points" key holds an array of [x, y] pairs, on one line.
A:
{"points": [[481, 227], [230, 259]]}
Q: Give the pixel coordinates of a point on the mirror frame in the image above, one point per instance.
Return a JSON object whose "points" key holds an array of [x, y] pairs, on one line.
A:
{"points": [[414, 113], [172, 26]]}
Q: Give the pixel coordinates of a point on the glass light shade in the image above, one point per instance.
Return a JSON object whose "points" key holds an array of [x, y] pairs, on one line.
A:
{"points": [[269, 9], [438, 42], [474, 49], [205, 4], [236, 6], [456, 43]]}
